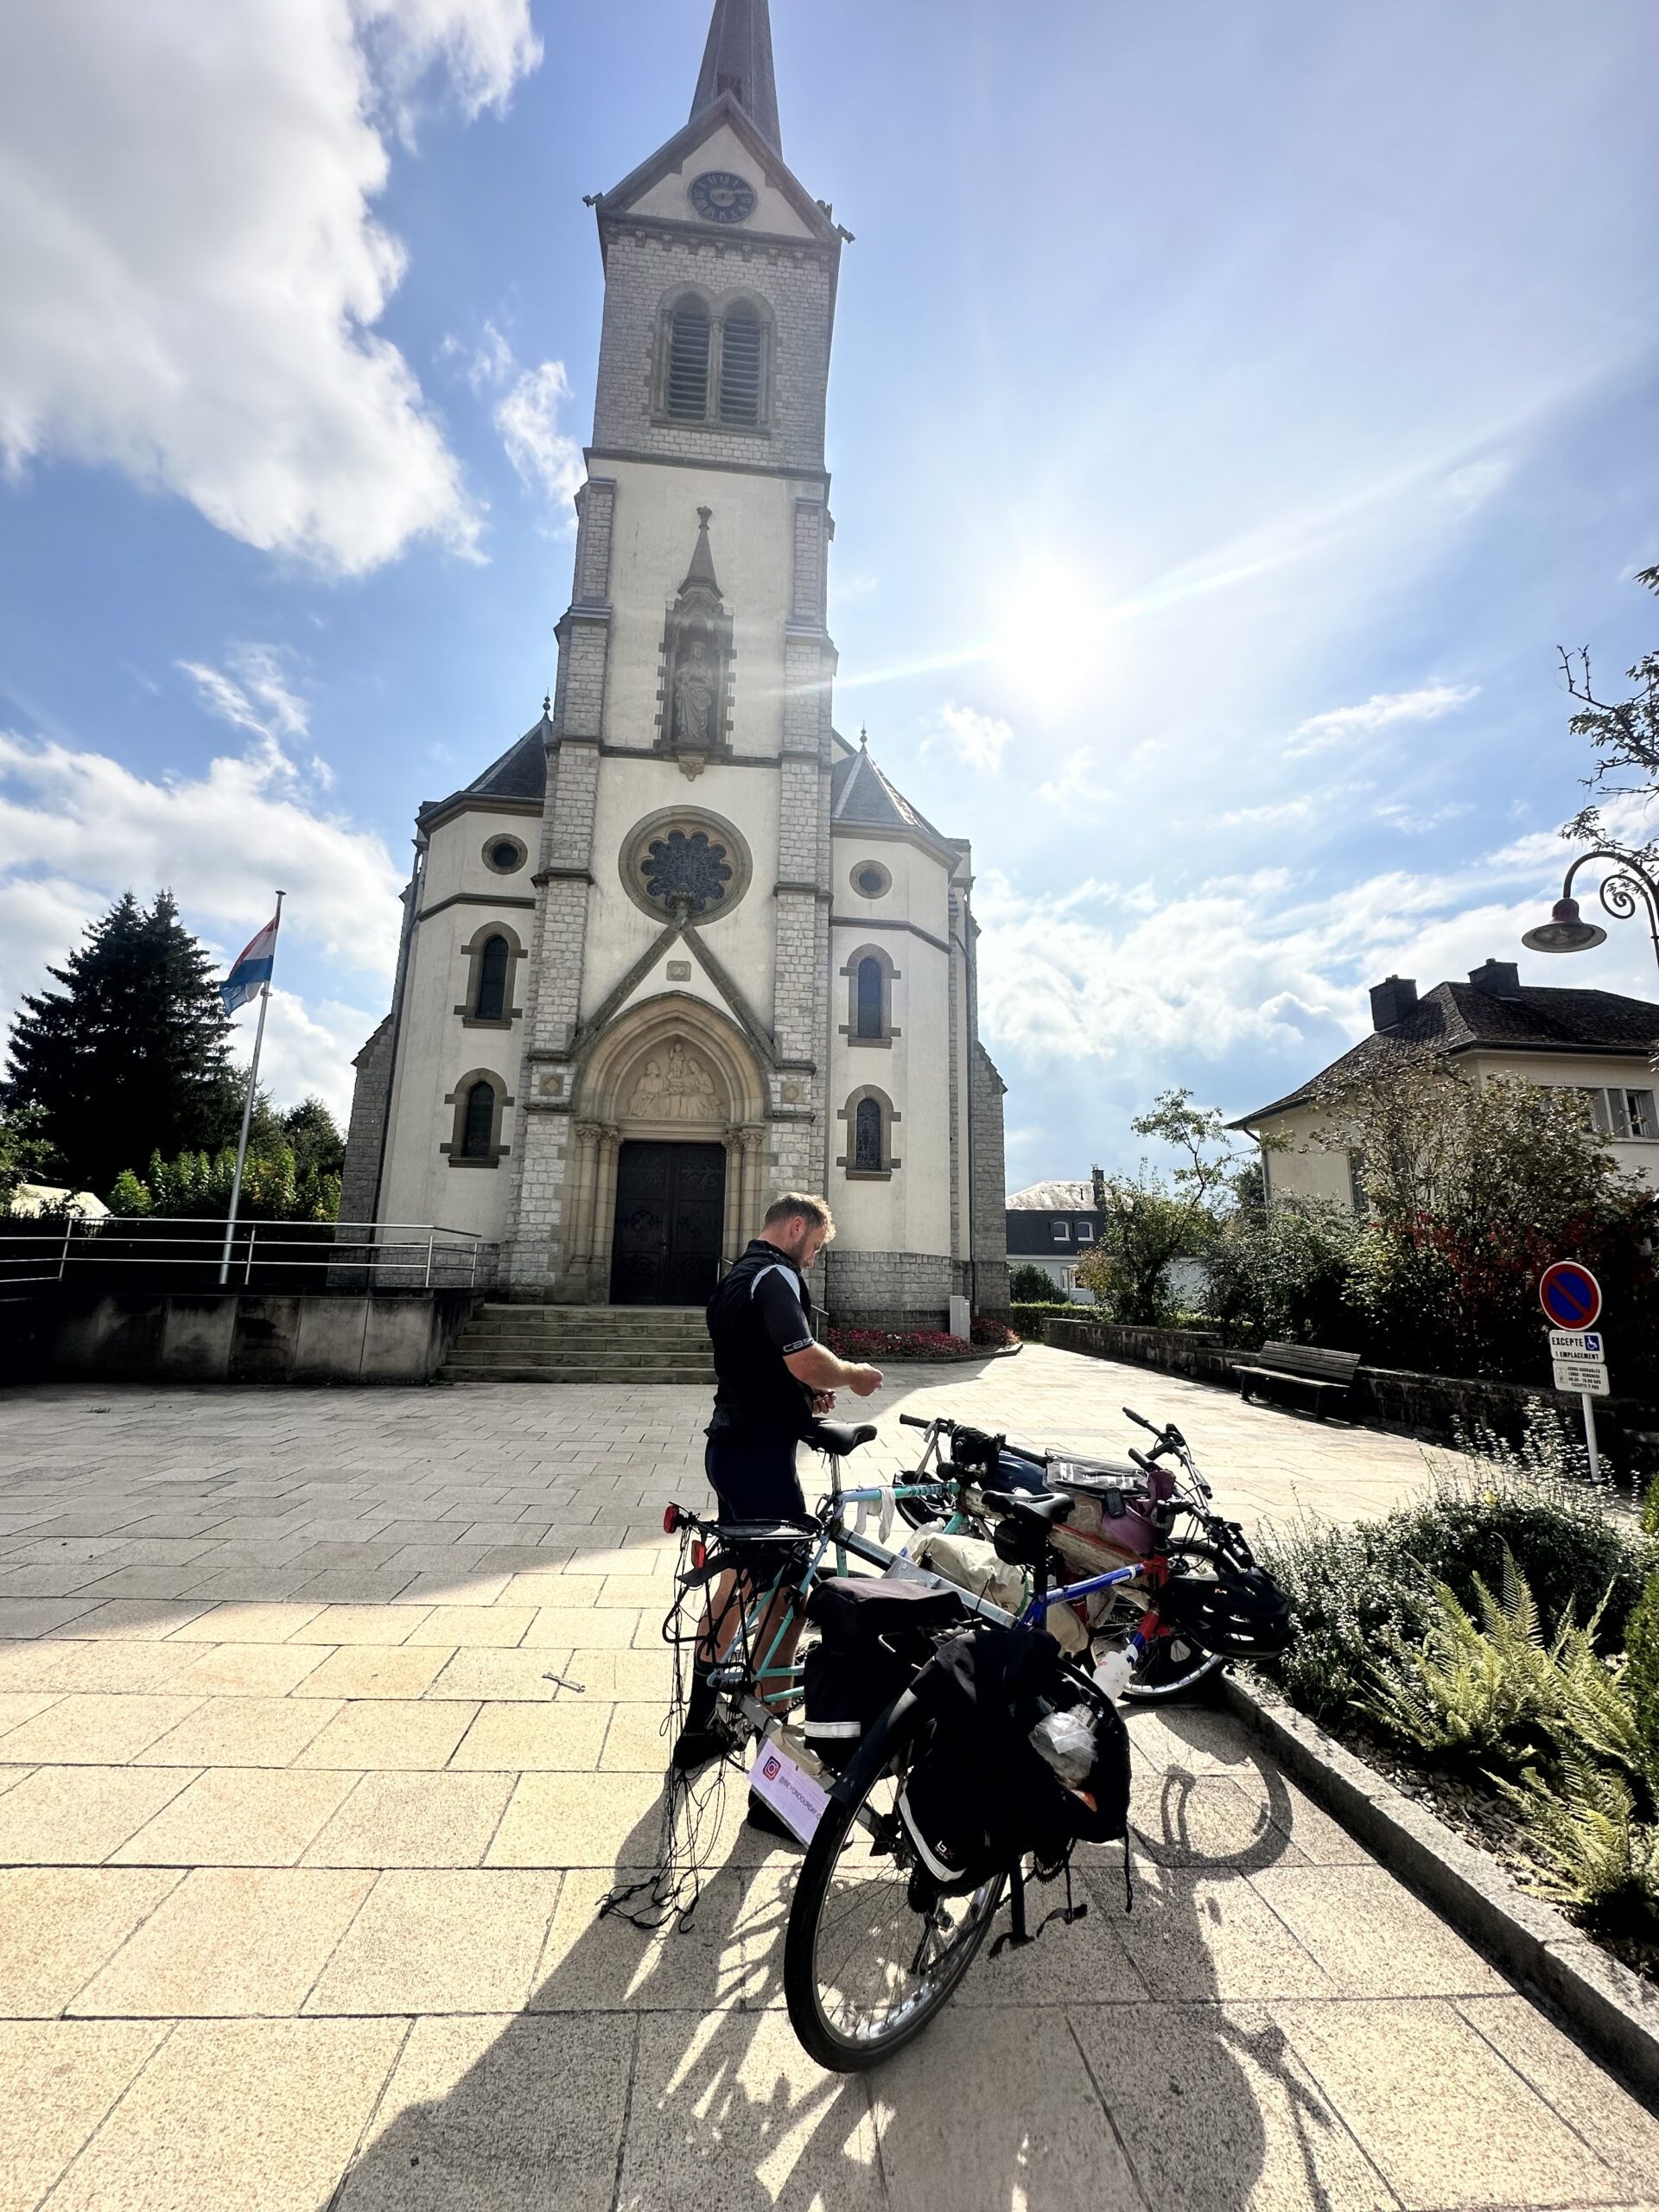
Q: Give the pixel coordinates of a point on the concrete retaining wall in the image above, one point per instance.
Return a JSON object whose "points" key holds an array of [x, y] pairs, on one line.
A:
{"points": [[232, 1336]]}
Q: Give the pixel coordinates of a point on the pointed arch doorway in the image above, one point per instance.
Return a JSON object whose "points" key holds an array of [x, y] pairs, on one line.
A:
{"points": [[670, 1146]]}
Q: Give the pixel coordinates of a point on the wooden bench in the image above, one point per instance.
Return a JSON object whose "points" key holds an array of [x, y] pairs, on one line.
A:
{"points": [[1304, 1367]]}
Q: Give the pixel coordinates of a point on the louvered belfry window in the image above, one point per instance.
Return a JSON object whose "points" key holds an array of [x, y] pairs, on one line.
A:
{"points": [[688, 362], [740, 367]]}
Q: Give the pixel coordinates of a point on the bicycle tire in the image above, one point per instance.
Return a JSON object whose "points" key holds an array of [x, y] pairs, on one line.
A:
{"points": [[823, 2040], [1175, 1667]]}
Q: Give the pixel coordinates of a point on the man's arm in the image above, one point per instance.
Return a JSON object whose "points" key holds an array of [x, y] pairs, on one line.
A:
{"points": [[818, 1368]]}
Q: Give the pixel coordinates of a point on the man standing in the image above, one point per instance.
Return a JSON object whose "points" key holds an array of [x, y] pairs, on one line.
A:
{"points": [[771, 1378]]}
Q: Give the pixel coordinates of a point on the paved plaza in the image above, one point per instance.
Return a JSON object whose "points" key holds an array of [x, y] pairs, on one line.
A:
{"points": [[300, 1849]]}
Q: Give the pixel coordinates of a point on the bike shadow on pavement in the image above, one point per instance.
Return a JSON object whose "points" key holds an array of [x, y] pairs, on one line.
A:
{"points": [[1116, 2062]]}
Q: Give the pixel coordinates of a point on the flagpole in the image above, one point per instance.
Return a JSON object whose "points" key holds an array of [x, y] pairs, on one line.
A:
{"points": [[247, 1103]]}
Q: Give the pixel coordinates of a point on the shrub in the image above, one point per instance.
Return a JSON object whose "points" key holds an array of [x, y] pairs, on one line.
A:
{"points": [[1029, 1285], [1028, 1320], [1287, 1274], [1642, 1673]]}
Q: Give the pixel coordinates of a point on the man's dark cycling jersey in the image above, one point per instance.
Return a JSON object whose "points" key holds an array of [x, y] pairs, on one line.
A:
{"points": [[757, 1317]]}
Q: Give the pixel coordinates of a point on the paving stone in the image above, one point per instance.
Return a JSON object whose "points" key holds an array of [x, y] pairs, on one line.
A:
{"points": [[250, 1669], [1372, 1936], [1194, 1934], [467, 2124], [629, 1677], [32, 1617], [414, 1820], [462, 1587], [58, 2078], [608, 1965], [376, 1670], [578, 1820], [116, 1668], [441, 1942], [248, 1623], [231, 1942], [226, 1731], [360, 1624], [18, 1706], [636, 1741], [1219, 2114], [472, 1626], [58, 1925], [1187, 1820], [566, 1737], [570, 1625], [497, 1673], [1573, 2085], [94, 1730], [378, 1732], [77, 1815], [1444, 2119], [245, 1816], [238, 2116], [137, 1618]]}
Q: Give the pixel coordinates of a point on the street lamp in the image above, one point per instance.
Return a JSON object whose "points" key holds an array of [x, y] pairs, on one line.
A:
{"points": [[1626, 892]]}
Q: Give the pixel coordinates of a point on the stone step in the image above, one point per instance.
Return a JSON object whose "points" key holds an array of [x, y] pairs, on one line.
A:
{"points": [[620, 1371]]}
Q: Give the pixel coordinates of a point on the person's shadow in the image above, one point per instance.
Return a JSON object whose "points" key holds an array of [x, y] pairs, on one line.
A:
{"points": [[658, 2072]]}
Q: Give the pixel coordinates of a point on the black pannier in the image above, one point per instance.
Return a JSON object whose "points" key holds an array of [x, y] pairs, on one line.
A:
{"points": [[979, 1798], [873, 1635]]}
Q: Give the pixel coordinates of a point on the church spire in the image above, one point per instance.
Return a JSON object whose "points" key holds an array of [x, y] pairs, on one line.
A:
{"points": [[737, 59]]}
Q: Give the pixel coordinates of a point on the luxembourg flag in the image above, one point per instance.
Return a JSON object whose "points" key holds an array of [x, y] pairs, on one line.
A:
{"points": [[252, 971]]}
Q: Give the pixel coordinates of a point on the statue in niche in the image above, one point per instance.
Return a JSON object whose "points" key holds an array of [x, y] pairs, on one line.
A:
{"points": [[696, 650], [678, 1089], [694, 700]]}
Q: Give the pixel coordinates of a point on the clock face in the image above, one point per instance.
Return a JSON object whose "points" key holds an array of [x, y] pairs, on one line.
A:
{"points": [[720, 197]]}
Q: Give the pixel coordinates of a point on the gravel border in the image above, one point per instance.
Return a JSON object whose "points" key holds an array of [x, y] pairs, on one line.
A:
{"points": [[1614, 2011]]}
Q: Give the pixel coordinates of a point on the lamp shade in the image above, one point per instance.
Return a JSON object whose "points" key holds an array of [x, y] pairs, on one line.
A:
{"points": [[1564, 931]]}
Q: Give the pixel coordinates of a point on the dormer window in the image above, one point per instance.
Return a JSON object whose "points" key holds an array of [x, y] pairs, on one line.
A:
{"points": [[714, 364]]}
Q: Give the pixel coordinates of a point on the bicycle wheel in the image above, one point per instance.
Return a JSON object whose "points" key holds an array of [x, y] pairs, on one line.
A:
{"points": [[872, 1952], [1175, 1666]]}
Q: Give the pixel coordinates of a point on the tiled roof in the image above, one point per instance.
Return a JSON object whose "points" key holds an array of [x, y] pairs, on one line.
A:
{"points": [[1054, 1197], [521, 773], [862, 798], [1460, 1017]]}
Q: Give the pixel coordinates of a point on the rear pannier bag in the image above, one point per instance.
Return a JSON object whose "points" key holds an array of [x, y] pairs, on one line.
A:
{"points": [[874, 1635], [979, 1798]]}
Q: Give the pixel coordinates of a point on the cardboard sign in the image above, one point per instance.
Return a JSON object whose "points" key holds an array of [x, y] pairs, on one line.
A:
{"points": [[792, 1792]]}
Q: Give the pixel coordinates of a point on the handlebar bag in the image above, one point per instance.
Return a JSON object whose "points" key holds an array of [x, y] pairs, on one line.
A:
{"points": [[874, 1636]]}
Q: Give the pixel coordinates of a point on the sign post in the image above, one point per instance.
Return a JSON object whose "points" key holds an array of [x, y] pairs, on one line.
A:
{"points": [[1570, 1298]]}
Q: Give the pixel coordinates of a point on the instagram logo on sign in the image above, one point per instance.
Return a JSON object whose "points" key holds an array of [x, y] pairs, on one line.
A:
{"points": [[772, 1770]]}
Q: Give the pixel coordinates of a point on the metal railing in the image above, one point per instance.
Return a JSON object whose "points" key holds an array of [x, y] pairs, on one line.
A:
{"points": [[347, 1254]]}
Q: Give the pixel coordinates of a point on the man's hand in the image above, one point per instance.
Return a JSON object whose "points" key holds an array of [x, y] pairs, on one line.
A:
{"points": [[863, 1382], [823, 1401]]}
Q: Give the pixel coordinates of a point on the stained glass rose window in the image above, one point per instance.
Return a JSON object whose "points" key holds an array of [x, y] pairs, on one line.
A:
{"points": [[685, 868]]}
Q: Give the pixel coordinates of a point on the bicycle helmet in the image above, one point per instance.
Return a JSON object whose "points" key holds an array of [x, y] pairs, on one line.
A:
{"points": [[1238, 1616]]}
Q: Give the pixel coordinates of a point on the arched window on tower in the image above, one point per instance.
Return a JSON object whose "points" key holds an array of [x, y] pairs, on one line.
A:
{"points": [[867, 1136], [478, 1121], [688, 362], [494, 966], [870, 995], [741, 342]]}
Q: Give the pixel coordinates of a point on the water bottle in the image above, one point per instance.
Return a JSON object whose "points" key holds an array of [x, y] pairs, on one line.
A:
{"points": [[1066, 1740], [1113, 1674]]}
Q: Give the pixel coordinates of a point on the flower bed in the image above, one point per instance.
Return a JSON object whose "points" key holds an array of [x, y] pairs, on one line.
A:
{"points": [[1494, 1652], [882, 1345]]}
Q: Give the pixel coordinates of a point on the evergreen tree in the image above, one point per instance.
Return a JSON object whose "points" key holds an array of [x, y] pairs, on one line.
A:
{"points": [[131, 1057]]}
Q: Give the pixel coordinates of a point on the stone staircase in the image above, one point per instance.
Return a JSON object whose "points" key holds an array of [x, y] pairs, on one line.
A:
{"points": [[581, 1344]]}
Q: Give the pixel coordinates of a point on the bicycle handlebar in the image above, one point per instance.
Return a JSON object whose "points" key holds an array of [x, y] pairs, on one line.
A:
{"points": [[914, 1420]]}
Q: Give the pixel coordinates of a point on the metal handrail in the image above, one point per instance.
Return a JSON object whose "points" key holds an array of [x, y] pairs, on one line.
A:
{"points": [[373, 1247]]}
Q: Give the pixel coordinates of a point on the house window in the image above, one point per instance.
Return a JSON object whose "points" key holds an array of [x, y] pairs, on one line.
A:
{"points": [[1062, 1232], [1625, 1113], [867, 1137], [504, 855], [869, 997], [688, 362], [739, 367], [494, 966], [1085, 1232]]}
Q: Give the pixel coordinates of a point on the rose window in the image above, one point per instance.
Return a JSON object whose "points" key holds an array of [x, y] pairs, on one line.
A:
{"points": [[685, 869]]}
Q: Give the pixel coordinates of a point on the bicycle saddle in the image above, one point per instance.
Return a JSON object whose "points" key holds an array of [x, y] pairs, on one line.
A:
{"points": [[1040, 1509], [838, 1438]]}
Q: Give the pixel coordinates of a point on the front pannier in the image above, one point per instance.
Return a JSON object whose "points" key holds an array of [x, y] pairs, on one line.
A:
{"points": [[873, 1635]]}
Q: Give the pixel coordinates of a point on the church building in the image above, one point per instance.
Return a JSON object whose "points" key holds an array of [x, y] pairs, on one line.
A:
{"points": [[684, 945]]}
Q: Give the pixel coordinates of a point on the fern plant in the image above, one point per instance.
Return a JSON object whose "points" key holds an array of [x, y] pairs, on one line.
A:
{"points": [[1591, 1851], [1490, 1690]]}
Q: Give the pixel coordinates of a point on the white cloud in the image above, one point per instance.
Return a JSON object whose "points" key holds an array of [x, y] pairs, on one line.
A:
{"points": [[547, 459], [192, 271], [309, 1050], [1381, 711], [77, 829], [978, 740], [486, 365], [1079, 786], [1269, 813]]}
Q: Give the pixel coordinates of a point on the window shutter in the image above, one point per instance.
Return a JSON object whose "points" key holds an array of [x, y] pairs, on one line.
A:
{"points": [[739, 367], [688, 363]]}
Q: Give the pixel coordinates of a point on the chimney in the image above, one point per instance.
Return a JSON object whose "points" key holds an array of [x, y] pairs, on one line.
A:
{"points": [[1392, 1001], [1097, 1188], [1501, 979]]}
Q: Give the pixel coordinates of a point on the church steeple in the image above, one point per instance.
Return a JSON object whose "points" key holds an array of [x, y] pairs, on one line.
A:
{"points": [[737, 59]]}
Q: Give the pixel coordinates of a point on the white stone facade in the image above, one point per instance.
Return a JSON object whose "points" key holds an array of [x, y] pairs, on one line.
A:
{"points": [[710, 876]]}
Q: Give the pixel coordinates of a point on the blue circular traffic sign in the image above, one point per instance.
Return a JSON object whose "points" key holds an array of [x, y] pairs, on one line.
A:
{"points": [[1570, 1295]]}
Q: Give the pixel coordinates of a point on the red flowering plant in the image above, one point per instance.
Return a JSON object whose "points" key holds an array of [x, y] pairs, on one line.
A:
{"points": [[880, 1345]]}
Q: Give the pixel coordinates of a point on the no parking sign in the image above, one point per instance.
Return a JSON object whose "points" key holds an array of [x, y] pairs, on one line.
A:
{"points": [[1570, 1295]]}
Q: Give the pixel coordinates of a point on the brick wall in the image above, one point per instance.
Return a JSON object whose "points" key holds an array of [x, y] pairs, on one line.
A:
{"points": [[889, 1290], [990, 1230], [371, 1098]]}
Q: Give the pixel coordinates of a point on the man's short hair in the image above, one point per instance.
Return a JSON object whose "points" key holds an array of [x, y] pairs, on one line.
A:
{"points": [[794, 1205]]}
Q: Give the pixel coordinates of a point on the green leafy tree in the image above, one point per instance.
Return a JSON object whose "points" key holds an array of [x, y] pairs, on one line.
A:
{"points": [[1472, 1189], [24, 1152], [1147, 1225], [1285, 1273], [1624, 734], [132, 1055]]}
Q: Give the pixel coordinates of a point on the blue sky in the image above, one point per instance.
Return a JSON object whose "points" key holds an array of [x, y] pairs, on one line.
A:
{"points": [[1233, 408]]}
